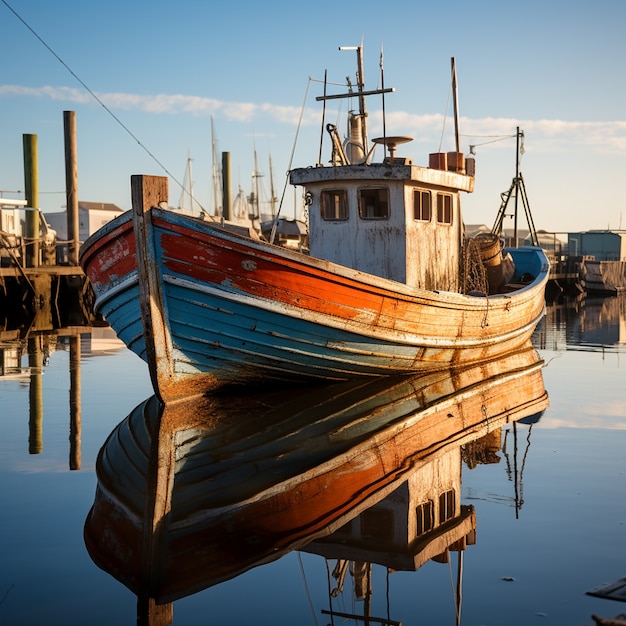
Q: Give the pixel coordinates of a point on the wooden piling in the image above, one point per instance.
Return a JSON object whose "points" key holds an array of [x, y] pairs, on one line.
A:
{"points": [[148, 192], [31, 188], [35, 395], [149, 613], [71, 185], [75, 406], [226, 200]]}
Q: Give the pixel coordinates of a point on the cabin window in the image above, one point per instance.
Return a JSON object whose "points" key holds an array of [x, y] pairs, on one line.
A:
{"points": [[447, 505], [374, 203], [425, 521], [421, 205], [334, 204], [377, 524], [444, 208]]}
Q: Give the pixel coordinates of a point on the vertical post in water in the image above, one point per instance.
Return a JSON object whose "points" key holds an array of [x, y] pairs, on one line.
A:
{"points": [[226, 201], [31, 188], [35, 396], [71, 184], [75, 407]]}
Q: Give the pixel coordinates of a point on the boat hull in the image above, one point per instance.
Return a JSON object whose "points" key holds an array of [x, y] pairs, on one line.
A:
{"points": [[220, 308]]}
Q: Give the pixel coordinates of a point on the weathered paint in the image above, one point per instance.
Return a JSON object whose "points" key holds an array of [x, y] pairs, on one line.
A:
{"points": [[256, 476], [424, 254], [378, 295], [238, 310]]}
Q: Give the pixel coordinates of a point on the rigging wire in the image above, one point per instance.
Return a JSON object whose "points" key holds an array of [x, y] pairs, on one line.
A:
{"points": [[523, 466], [387, 596], [457, 607], [293, 150], [94, 96], [321, 80], [445, 117], [319, 158], [493, 139], [330, 594], [306, 587]]}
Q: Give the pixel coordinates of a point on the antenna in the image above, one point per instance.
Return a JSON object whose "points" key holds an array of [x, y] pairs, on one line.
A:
{"points": [[361, 92], [360, 83], [456, 106], [382, 87], [319, 158]]}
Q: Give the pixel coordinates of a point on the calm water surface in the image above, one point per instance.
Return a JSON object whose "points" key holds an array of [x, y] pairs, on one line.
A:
{"points": [[550, 514]]}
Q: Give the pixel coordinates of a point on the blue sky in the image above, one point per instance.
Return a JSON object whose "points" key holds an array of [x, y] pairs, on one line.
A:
{"points": [[556, 69]]}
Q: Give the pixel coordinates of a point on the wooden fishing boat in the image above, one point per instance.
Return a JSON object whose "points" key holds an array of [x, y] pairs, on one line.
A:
{"points": [[390, 284], [195, 492]]}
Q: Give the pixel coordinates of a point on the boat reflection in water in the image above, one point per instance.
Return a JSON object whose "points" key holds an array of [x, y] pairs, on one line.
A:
{"points": [[589, 324], [198, 492]]}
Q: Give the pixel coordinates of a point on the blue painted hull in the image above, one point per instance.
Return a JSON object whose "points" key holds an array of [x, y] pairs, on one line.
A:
{"points": [[272, 322]]}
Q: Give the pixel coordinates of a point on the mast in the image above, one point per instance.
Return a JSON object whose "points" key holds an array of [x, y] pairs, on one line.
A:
{"points": [[456, 106], [217, 190], [517, 179], [361, 94], [190, 182], [360, 83], [256, 205], [382, 85], [187, 190], [360, 86], [272, 192], [518, 189]]}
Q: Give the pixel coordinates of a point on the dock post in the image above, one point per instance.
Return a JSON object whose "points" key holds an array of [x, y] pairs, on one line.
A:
{"points": [[71, 184], [35, 395], [226, 201], [148, 192], [149, 613], [31, 188], [75, 406]]}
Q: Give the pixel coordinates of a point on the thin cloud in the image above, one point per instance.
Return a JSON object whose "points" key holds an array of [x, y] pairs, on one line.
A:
{"points": [[553, 135], [66, 94], [542, 135], [172, 104]]}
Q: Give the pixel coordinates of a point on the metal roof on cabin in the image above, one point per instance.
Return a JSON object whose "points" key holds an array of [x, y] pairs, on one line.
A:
{"points": [[285, 226], [100, 206]]}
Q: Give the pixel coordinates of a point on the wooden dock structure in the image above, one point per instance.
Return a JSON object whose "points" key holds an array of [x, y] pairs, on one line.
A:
{"points": [[43, 294], [564, 275], [33, 285]]}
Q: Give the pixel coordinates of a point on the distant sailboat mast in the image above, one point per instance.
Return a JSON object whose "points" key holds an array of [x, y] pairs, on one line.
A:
{"points": [[187, 189], [255, 200], [190, 181], [241, 208], [217, 175], [272, 192]]}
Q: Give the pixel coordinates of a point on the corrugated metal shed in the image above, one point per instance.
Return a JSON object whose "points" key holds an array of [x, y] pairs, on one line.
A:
{"points": [[603, 245]]}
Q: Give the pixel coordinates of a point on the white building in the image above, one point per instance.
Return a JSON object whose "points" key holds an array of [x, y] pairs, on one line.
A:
{"points": [[91, 217]]}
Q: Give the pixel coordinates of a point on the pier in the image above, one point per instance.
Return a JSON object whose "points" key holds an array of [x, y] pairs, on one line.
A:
{"points": [[42, 294], [590, 262], [565, 275], [34, 285]]}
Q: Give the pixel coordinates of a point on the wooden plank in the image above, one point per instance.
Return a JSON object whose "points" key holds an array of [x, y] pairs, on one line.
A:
{"points": [[148, 192]]}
